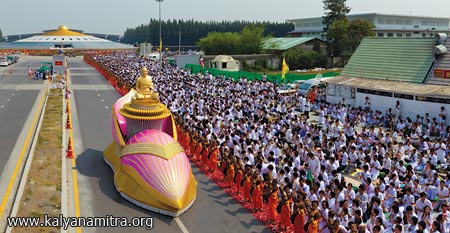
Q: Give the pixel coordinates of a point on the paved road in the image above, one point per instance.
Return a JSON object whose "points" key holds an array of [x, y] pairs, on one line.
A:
{"points": [[213, 211], [19, 97]]}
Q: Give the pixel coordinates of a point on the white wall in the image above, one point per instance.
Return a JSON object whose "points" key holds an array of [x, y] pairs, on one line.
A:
{"points": [[407, 107]]}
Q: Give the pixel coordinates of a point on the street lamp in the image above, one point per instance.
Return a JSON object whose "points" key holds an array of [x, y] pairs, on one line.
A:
{"points": [[160, 39]]}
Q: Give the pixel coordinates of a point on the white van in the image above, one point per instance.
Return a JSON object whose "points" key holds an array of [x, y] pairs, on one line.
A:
{"points": [[4, 62], [153, 56], [310, 84]]}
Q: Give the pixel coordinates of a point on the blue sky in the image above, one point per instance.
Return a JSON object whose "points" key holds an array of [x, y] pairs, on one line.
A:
{"points": [[114, 16]]}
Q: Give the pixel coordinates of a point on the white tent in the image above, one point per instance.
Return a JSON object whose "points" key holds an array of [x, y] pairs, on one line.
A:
{"points": [[224, 62]]}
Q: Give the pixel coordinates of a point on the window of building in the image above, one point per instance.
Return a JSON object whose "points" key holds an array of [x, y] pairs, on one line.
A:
{"points": [[432, 99], [390, 34], [224, 65], [403, 96], [424, 34], [374, 92], [381, 21], [399, 34], [399, 21], [380, 34], [407, 22], [390, 21], [416, 26], [408, 34]]}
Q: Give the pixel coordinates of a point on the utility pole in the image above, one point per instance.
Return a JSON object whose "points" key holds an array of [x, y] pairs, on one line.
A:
{"points": [[160, 38], [179, 41]]}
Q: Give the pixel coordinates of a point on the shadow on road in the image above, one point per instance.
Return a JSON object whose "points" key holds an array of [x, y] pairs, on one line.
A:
{"points": [[90, 163]]}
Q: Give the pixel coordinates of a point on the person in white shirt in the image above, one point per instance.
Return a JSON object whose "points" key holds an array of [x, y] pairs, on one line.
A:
{"points": [[442, 194], [314, 164], [367, 104], [421, 203], [408, 199]]}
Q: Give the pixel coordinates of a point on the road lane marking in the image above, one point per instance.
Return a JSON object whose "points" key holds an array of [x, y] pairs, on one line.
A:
{"points": [[76, 197], [19, 161], [181, 225]]}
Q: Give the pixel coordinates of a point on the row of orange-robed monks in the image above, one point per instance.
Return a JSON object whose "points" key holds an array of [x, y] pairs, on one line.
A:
{"points": [[247, 182]]}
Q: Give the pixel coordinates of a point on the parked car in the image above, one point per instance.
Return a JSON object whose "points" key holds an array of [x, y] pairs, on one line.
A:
{"points": [[4, 62], [286, 89], [310, 84]]}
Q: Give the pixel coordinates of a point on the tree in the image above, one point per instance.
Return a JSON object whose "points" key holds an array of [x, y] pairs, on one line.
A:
{"points": [[299, 59], [191, 31], [249, 41], [339, 32], [220, 43], [334, 10], [347, 35]]}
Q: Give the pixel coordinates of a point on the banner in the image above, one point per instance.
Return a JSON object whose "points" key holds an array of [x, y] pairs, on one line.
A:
{"points": [[438, 73], [446, 74]]}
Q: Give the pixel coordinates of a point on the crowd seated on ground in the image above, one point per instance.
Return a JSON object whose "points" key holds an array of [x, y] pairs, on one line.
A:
{"points": [[292, 155]]}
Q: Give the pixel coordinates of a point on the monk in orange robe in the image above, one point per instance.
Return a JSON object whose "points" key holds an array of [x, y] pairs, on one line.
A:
{"points": [[230, 175], [205, 154], [246, 188], [272, 204], [313, 226], [299, 222], [238, 179], [187, 141], [193, 146], [257, 196], [213, 159], [198, 150], [285, 215]]}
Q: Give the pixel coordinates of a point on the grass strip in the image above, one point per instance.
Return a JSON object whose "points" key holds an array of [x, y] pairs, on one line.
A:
{"points": [[42, 193]]}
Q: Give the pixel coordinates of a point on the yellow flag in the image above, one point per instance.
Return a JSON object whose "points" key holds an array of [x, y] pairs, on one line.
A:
{"points": [[284, 68], [160, 44]]}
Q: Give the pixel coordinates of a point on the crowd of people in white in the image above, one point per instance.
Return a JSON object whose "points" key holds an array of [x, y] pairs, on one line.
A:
{"points": [[309, 149]]}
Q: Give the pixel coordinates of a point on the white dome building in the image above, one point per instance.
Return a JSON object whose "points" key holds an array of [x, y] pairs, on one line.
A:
{"points": [[66, 39]]}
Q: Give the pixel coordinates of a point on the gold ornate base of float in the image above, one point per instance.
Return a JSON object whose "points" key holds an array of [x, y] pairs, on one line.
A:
{"points": [[133, 188], [153, 112]]}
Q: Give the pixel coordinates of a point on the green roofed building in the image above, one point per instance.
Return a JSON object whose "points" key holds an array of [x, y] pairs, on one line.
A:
{"points": [[387, 70], [282, 44], [393, 59]]}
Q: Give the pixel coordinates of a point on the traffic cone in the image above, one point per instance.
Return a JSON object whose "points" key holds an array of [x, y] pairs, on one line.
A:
{"points": [[69, 149], [67, 107], [68, 124]]}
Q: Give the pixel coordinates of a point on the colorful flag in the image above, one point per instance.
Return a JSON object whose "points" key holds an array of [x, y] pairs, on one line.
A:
{"points": [[201, 61], [284, 69], [309, 176], [160, 44]]}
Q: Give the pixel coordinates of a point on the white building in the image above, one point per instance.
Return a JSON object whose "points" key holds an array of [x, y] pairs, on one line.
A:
{"points": [[386, 25]]}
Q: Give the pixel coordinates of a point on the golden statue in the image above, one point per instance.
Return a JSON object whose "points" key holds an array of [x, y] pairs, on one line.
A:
{"points": [[144, 85]]}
